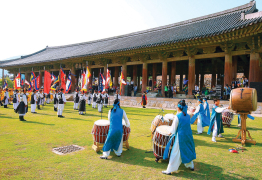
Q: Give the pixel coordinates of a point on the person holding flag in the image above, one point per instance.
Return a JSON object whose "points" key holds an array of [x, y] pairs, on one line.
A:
{"points": [[99, 101], [55, 100], [106, 96], [6, 98], [16, 99], [21, 108], [61, 102], [94, 99], [89, 98], [82, 106], [76, 99]]}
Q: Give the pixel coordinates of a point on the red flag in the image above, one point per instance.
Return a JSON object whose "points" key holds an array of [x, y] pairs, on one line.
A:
{"points": [[63, 79], [37, 83], [107, 79], [18, 81], [47, 82]]}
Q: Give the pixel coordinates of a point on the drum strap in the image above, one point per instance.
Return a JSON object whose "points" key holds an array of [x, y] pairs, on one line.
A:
{"points": [[168, 146]]}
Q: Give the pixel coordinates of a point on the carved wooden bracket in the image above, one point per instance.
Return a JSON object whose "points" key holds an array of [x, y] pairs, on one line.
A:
{"points": [[227, 47], [163, 55], [191, 51], [209, 50], [144, 57], [178, 53], [241, 46]]}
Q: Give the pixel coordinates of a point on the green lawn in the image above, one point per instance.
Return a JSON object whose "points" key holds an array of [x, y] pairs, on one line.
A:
{"points": [[26, 149]]}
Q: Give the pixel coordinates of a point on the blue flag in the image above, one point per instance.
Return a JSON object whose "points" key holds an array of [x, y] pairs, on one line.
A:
{"points": [[100, 87]]}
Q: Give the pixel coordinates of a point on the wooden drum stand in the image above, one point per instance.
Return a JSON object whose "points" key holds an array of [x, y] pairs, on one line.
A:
{"points": [[242, 132]]}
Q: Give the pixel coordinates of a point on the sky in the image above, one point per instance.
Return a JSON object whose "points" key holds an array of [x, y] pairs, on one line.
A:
{"points": [[28, 26]]}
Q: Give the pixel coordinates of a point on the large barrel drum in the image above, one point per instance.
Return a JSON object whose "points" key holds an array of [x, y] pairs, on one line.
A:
{"points": [[243, 99]]}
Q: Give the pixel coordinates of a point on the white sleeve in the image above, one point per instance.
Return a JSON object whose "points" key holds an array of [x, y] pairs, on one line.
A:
{"points": [[197, 109], [219, 110], [85, 97], [174, 125], [64, 99], [205, 106], [126, 119], [109, 114], [35, 97], [25, 99], [119, 97]]}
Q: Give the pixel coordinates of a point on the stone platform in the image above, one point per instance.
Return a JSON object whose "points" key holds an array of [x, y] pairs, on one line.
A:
{"points": [[165, 103]]}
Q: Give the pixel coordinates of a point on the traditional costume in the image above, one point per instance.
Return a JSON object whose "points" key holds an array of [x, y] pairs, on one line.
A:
{"points": [[106, 96], [183, 150], [48, 98], [38, 100], [203, 120], [114, 141], [216, 125], [61, 102], [76, 100], [6, 98], [33, 102], [82, 104], [15, 100], [21, 108], [89, 98], [206, 108], [144, 100], [94, 100], [99, 101], [55, 101]]}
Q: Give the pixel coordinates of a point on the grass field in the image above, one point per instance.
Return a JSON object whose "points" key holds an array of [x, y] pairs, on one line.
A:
{"points": [[26, 149]]}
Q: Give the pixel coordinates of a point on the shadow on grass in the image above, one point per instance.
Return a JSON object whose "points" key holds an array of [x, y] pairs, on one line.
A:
{"points": [[138, 157], [34, 122], [78, 119]]}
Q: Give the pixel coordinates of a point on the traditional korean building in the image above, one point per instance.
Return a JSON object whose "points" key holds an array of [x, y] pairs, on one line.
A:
{"points": [[222, 44]]}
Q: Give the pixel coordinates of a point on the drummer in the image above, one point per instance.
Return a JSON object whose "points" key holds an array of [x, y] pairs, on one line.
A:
{"points": [[183, 150], [202, 118], [114, 139], [216, 126]]}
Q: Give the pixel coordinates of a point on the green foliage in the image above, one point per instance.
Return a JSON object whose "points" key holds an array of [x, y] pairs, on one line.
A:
{"points": [[9, 82], [26, 149]]}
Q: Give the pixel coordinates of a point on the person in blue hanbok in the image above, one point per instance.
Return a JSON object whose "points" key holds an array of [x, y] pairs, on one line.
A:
{"points": [[206, 108], [183, 150], [239, 119], [216, 125], [114, 141], [203, 120]]}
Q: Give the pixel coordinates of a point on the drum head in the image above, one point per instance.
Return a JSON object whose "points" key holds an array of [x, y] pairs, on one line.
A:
{"points": [[102, 122], [164, 130]]}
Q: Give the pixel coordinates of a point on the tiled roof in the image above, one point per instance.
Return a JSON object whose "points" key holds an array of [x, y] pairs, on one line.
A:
{"points": [[201, 27]]}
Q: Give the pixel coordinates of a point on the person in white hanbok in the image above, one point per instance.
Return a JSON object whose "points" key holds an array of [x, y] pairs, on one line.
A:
{"points": [[21, 108], [6, 98], [94, 99], [183, 150], [82, 103], [202, 118], [89, 98], [33, 101], [16, 99], [99, 101]]}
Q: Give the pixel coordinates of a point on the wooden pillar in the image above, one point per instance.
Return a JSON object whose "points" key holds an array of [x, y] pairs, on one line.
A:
{"points": [[164, 76], [197, 73], [138, 83], [191, 74], [116, 76], [73, 78], [234, 67], [173, 73], [144, 77], [254, 68], [124, 71], [135, 74], [154, 75], [228, 69]]}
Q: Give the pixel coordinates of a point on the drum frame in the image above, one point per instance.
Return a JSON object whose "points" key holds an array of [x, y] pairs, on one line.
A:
{"points": [[242, 132]]}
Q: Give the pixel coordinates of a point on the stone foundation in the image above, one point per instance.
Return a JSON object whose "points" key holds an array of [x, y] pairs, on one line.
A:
{"points": [[165, 103]]}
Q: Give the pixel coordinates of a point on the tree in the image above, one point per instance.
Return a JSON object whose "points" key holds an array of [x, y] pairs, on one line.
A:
{"points": [[9, 82]]}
